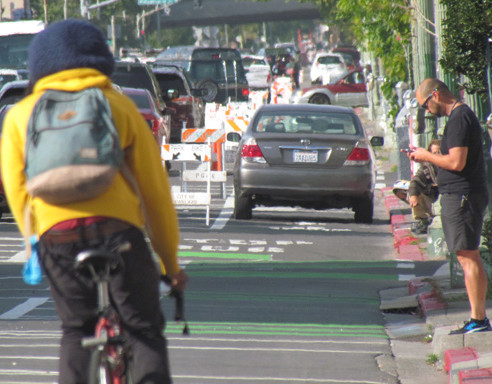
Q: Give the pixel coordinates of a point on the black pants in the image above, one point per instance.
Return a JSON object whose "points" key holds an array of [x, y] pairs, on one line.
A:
{"points": [[134, 291]]}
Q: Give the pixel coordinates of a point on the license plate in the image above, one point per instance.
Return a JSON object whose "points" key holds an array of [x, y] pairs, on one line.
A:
{"points": [[305, 156]]}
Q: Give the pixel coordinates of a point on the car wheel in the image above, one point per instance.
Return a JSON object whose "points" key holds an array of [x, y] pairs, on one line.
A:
{"points": [[319, 98], [364, 210], [243, 207], [211, 87]]}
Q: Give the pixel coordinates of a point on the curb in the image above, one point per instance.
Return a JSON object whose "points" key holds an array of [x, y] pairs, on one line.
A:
{"points": [[407, 245], [466, 357]]}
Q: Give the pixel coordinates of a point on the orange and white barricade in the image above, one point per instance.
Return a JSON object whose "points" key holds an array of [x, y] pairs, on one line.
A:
{"points": [[282, 89]]}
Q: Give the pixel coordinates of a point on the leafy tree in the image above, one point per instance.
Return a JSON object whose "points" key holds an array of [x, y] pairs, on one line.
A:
{"points": [[466, 28], [383, 27]]}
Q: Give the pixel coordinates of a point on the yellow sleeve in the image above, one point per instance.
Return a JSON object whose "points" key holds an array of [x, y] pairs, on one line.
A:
{"points": [[12, 160], [144, 160]]}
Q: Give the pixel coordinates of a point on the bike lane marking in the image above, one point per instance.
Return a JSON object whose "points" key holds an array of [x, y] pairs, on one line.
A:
{"points": [[23, 308]]}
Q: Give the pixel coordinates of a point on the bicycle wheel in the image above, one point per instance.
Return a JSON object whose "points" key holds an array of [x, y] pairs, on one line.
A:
{"points": [[99, 372]]}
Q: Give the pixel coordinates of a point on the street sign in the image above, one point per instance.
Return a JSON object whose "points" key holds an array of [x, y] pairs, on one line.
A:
{"points": [[186, 152], [189, 198], [157, 2], [215, 176]]}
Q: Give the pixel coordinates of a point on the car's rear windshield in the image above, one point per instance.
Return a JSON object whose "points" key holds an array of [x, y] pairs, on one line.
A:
{"points": [[323, 123], [247, 61], [142, 101], [329, 60], [132, 77], [170, 81]]}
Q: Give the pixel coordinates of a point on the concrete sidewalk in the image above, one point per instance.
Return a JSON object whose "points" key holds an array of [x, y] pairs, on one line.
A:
{"points": [[420, 316]]}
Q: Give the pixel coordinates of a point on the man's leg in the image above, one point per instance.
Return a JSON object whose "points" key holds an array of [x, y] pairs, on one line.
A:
{"points": [[475, 281]]}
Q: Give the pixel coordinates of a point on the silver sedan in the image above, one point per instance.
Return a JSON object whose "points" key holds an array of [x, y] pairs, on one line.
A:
{"points": [[312, 156]]}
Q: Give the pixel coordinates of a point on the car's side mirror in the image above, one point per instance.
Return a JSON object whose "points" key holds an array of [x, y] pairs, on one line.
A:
{"points": [[233, 137], [172, 94], [377, 141]]}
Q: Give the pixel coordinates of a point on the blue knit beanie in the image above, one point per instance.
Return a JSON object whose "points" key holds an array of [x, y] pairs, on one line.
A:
{"points": [[68, 44]]}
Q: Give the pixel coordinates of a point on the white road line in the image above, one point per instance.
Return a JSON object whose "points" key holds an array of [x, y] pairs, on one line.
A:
{"points": [[406, 277], [270, 341], [23, 308], [224, 215], [27, 372], [57, 345], [10, 357], [405, 265], [19, 257], [273, 379]]}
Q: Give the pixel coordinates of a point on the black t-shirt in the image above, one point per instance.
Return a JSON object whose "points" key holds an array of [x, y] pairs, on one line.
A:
{"points": [[463, 130]]}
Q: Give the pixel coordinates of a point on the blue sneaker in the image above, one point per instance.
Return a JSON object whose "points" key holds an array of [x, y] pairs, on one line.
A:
{"points": [[473, 326]]}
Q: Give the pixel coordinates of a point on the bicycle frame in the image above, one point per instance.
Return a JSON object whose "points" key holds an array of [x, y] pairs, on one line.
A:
{"points": [[110, 352], [108, 329]]}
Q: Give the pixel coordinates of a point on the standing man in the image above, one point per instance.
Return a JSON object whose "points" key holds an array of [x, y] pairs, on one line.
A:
{"points": [[463, 188], [72, 55]]}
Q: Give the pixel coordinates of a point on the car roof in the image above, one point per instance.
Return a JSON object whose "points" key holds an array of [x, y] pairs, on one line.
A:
{"points": [[167, 68], [320, 54], [14, 84], [315, 108]]}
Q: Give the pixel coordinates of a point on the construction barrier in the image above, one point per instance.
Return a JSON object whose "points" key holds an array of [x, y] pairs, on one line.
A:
{"points": [[281, 90]]}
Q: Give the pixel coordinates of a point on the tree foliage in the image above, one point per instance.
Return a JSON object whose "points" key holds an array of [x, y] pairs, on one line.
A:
{"points": [[383, 26], [466, 28]]}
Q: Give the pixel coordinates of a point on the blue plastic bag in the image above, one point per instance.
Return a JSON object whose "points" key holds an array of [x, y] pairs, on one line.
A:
{"points": [[31, 272]]}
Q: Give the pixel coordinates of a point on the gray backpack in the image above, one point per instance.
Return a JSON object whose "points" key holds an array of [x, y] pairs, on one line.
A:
{"points": [[73, 150]]}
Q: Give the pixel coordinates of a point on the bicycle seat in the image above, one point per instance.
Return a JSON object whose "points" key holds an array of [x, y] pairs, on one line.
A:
{"points": [[95, 260]]}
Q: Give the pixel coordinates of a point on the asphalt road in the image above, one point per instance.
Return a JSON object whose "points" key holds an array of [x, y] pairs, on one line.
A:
{"points": [[290, 296]]}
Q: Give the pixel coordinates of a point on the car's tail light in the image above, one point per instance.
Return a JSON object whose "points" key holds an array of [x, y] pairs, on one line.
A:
{"points": [[269, 78], [184, 100], [360, 155], [251, 152]]}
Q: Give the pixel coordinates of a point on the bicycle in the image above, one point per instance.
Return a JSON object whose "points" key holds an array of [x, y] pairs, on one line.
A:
{"points": [[111, 355]]}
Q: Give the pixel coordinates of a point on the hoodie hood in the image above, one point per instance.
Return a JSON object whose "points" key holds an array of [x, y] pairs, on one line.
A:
{"points": [[68, 44]]}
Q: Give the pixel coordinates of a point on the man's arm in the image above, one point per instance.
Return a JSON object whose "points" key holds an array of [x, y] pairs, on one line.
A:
{"points": [[454, 161]]}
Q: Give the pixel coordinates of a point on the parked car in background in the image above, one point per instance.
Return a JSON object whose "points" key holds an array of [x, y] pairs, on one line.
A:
{"points": [[348, 50], [139, 75], [258, 72], [327, 66], [217, 70], [12, 92], [158, 123], [179, 93], [311, 156], [349, 90], [8, 75]]}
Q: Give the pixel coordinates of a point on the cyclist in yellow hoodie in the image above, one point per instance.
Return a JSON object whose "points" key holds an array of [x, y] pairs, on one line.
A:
{"points": [[72, 55]]}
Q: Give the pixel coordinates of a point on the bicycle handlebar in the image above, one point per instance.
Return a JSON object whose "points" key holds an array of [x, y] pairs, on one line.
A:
{"points": [[179, 307]]}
